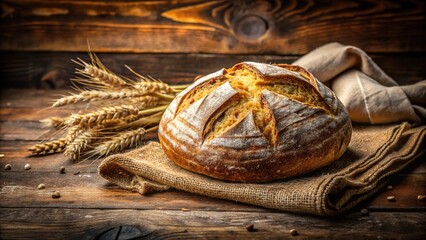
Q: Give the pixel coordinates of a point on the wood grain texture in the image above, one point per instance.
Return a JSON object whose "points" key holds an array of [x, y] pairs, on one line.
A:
{"points": [[240, 27], [93, 208], [30, 223], [53, 70], [88, 190]]}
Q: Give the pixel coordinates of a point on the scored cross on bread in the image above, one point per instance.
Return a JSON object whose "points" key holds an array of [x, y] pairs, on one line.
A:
{"points": [[254, 123]]}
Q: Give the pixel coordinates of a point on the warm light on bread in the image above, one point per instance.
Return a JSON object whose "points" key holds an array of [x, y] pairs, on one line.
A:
{"points": [[255, 123]]}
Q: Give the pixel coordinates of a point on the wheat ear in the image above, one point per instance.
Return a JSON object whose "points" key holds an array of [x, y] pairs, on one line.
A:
{"points": [[96, 118], [72, 133], [122, 141], [98, 73], [151, 86], [75, 148], [48, 147]]}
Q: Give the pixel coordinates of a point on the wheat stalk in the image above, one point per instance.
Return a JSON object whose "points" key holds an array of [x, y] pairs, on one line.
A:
{"points": [[48, 147]]}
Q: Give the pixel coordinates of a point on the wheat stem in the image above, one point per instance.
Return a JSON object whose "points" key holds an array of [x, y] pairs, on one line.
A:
{"points": [[152, 110], [164, 96]]}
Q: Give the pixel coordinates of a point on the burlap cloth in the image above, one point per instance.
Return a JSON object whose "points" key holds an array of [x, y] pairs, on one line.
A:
{"points": [[375, 151]]}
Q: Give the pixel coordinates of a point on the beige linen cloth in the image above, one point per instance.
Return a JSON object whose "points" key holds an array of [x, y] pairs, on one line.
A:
{"points": [[375, 151]]}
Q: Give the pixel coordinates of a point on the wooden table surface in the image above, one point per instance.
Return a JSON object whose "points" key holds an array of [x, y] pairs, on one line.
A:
{"points": [[175, 41], [92, 208]]}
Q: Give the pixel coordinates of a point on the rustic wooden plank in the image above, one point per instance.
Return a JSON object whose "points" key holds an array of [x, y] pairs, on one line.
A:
{"points": [[33, 114], [88, 190], [17, 154], [283, 27], [47, 223], [405, 189], [53, 70], [36, 98], [28, 131]]}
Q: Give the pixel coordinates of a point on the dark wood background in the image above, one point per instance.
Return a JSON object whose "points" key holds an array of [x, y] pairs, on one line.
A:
{"points": [[176, 41]]}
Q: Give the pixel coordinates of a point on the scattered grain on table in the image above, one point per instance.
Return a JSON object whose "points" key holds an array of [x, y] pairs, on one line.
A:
{"points": [[56, 194], [27, 166], [293, 232], [41, 186], [391, 198], [365, 212], [250, 228], [7, 167]]}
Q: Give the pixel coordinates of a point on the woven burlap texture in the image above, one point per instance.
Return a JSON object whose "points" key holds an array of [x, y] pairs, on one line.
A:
{"points": [[375, 152]]}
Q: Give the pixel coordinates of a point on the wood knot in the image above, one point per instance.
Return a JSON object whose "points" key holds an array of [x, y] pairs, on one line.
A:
{"points": [[250, 27]]}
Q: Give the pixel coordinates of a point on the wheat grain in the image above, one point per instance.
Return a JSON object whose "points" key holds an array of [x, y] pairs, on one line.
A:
{"points": [[75, 148], [72, 133], [110, 123], [48, 147]]}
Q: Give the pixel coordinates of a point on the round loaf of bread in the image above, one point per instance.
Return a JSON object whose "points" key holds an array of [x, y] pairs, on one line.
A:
{"points": [[255, 123]]}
